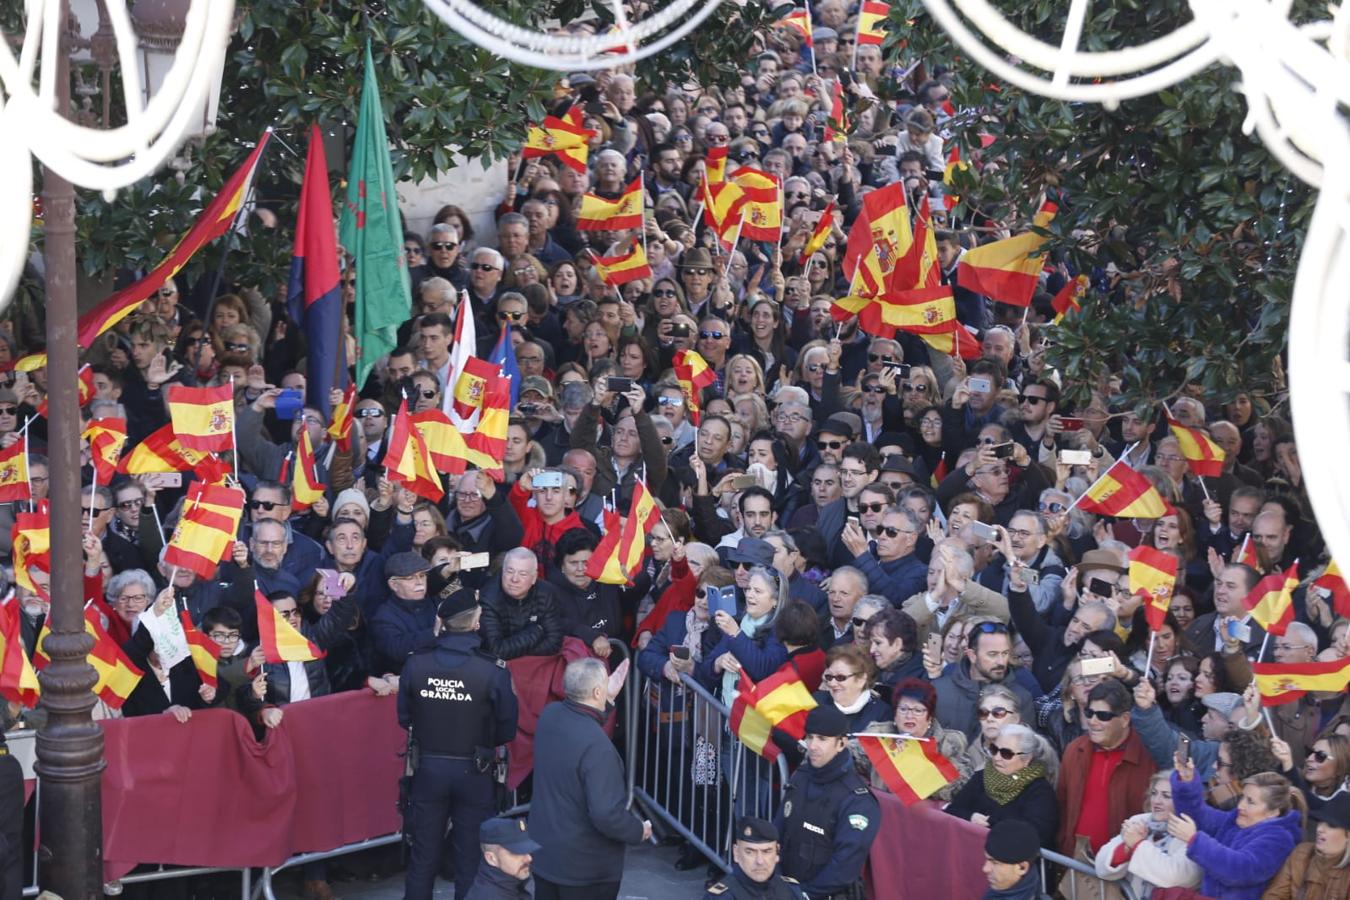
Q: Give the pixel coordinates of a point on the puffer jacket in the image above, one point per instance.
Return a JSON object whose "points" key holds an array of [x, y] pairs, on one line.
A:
{"points": [[1307, 875], [528, 627]]}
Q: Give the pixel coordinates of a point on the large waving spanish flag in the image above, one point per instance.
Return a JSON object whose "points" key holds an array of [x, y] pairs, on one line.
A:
{"points": [[280, 641], [117, 674], [106, 438], [565, 138], [880, 235], [160, 452], [780, 701], [18, 681], [912, 768], [1287, 682], [1007, 270], [1153, 576], [205, 534], [203, 418], [407, 460], [1124, 493], [599, 214], [1203, 455], [623, 268], [1271, 602], [762, 214]]}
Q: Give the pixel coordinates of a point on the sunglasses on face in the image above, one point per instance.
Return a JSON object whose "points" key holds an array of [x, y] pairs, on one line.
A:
{"points": [[131, 504], [711, 335], [444, 245], [243, 348], [9, 410], [877, 357], [1028, 398], [1051, 507], [814, 367], [997, 712], [829, 445], [664, 292], [483, 267], [891, 531], [504, 316], [1101, 715], [348, 282], [915, 388], [1320, 756], [871, 507], [873, 389], [413, 250], [1005, 752], [427, 394], [369, 413], [839, 679], [267, 505]]}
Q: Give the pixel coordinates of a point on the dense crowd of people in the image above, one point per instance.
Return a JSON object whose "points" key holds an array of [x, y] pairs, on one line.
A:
{"points": [[898, 526]]}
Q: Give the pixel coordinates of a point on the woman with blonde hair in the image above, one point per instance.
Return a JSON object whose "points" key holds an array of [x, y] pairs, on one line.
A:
{"points": [[1144, 854]]}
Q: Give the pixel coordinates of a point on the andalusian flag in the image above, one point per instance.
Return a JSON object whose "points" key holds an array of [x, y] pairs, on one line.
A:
{"points": [[14, 484], [117, 674], [18, 681], [1153, 576], [694, 375], [32, 547], [160, 452], [306, 488], [824, 226], [371, 231], [715, 164], [1271, 602], [780, 701], [1333, 582], [880, 235], [1007, 270], [799, 21], [1124, 493], [1203, 455], [623, 268], [599, 214], [341, 429], [1070, 297], [203, 418], [205, 652], [407, 460], [912, 768], [872, 22], [280, 641], [106, 438], [565, 138], [1287, 682], [762, 214], [603, 566]]}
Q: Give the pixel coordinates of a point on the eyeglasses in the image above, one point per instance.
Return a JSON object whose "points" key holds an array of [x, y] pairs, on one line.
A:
{"points": [[871, 507], [131, 504], [223, 637], [369, 412], [1005, 752], [698, 271], [414, 250], [1320, 756], [997, 712], [1053, 507], [97, 510], [483, 267], [829, 445], [712, 335], [664, 292], [9, 410], [814, 367], [930, 423], [166, 292], [427, 393], [839, 679], [669, 401], [667, 441], [1101, 715], [441, 245], [504, 315], [242, 348], [200, 341], [911, 710], [717, 138], [873, 389], [467, 495], [914, 388], [348, 282], [133, 598], [744, 565], [1028, 398], [853, 473], [795, 418], [268, 505]]}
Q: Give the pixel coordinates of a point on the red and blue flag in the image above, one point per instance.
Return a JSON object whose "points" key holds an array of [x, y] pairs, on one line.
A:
{"points": [[504, 356]]}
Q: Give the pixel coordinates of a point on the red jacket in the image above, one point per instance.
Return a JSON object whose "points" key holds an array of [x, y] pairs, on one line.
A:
{"points": [[539, 535], [1129, 782], [677, 597]]}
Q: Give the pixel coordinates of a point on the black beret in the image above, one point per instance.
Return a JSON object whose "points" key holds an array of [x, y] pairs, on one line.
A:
{"points": [[827, 721], [1012, 841]]}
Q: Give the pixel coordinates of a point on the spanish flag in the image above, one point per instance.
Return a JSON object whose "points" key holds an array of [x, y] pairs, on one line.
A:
{"points": [[32, 547], [160, 452], [762, 214], [117, 674], [694, 375], [203, 418], [880, 235], [106, 439], [205, 652], [407, 460], [306, 488], [799, 21], [715, 164], [1007, 270], [599, 214], [824, 226], [341, 428], [85, 387], [218, 498], [604, 566], [957, 342], [1286, 682], [872, 22], [1124, 493], [643, 514], [1203, 455], [202, 539], [780, 701], [1271, 602], [1332, 581], [487, 444], [723, 211], [565, 138], [280, 641], [1153, 576], [912, 768], [626, 267], [14, 484], [18, 681], [948, 175], [1069, 298]]}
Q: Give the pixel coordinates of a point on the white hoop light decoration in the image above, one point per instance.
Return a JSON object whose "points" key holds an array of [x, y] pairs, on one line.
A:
{"points": [[95, 158]]}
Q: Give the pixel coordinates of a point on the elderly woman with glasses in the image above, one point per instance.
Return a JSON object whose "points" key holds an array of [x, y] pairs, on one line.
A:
{"points": [[174, 690], [915, 705], [1018, 783], [998, 706]]}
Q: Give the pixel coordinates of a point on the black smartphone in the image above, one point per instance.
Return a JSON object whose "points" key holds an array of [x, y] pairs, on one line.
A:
{"points": [[1003, 451], [1183, 749], [680, 652], [1101, 588], [680, 330], [901, 370], [618, 384], [527, 409]]}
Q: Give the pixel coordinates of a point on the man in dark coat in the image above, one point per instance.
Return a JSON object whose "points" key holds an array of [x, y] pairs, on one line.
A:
{"points": [[579, 812]]}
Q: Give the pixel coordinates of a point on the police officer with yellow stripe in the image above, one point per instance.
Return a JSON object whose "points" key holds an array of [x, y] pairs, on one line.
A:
{"points": [[458, 700]]}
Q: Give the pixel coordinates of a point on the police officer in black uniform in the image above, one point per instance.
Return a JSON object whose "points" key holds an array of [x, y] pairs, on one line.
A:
{"points": [[507, 854], [829, 818], [755, 875], [458, 700]]}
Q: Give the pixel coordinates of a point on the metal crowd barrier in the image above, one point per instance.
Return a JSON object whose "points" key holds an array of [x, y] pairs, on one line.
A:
{"points": [[1050, 857], [689, 771]]}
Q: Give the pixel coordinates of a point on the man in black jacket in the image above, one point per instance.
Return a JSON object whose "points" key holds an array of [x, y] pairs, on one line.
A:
{"points": [[589, 610], [579, 812], [11, 824], [520, 616]]}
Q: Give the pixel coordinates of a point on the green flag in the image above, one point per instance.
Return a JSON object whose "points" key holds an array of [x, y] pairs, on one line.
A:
{"points": [[372, 232]]}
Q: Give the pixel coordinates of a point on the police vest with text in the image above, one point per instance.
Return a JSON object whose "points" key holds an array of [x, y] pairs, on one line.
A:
{"points": [[452, 707]]}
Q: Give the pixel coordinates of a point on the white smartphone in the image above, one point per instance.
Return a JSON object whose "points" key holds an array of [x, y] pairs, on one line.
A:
{"points": [[1100, 665], [473, 561], [1075, 457]]}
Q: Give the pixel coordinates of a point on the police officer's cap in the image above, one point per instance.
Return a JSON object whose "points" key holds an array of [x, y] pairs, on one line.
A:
{"points": [[1012, 841], [827, 721], [459, 601], [756, 831], [507, 833], [401, 565]]}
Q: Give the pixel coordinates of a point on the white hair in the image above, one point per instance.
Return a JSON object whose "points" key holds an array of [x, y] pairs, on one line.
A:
{"points": [[1303, 632], [582, 677]]}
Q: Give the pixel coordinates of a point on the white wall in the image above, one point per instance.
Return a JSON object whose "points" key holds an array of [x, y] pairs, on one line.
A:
{"points": [[476, 190]]}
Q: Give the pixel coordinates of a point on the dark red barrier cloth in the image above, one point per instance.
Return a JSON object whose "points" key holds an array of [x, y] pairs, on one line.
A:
{"points": [[922, 853], [538, 682], [205, 793]]}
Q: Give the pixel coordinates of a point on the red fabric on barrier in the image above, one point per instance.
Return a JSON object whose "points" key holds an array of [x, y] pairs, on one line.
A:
{"points": [[921, 853], [206, 793], [538, 682]]}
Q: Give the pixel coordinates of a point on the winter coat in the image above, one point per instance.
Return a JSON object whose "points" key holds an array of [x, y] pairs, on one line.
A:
{"points": [[1125, 792], [527, 627], [958, 699], [1307, 875], [1035, 804], [1153, 864]]}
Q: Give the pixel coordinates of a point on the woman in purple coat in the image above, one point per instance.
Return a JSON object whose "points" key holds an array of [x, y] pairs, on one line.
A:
{"points": [[1241, 850]]}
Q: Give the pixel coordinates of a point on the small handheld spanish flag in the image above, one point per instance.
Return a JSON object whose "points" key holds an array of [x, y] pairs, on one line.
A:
{"points": [[18, 681], [1153, 576], [341, 428], [306, 488], [1333, 581], [1069, 298], [1203, 455], [407, 460], [600, 214], [780, 701], [1007, 270], [1271, 602], [280, 640], [824, 226], [14, 484], [1286, 682], [106, 438], [565, 138], [912, 768], [623, 268], [205, 652], [694, 375], [203, 418], [1124, 493]]}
